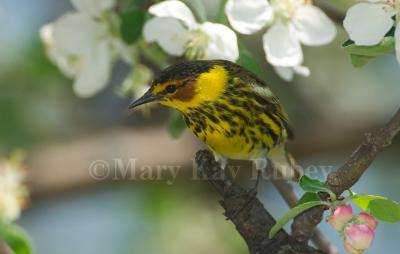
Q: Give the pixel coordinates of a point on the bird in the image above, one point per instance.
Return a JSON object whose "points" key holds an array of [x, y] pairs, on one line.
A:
{"points": [[229, 108]]}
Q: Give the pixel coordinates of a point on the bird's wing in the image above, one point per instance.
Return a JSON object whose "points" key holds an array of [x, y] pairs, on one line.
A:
{"points": [[267, 94]]}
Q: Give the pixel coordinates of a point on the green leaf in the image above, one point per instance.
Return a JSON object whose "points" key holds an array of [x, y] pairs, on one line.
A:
{"points": [[309, 184], [359, 61], [308, 197], [385, 210], [221, 18], [16, 238], [347, 43], [291, 214], [128, 3], [385, 47], [176, 125], [362, 200], [382, 208], [248, 61], [132, 21]]}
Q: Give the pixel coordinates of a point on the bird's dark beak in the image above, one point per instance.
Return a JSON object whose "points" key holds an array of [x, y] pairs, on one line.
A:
{"points": [[146, 98]]}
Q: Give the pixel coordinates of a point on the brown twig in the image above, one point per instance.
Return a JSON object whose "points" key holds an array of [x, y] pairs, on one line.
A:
{"points": [[253, 222], [348, 174]]}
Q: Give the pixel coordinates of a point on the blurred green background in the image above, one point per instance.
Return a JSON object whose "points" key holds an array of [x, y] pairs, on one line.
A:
{"points": [[72, 212]]}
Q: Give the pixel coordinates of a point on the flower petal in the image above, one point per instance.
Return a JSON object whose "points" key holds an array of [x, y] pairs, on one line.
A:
{"points": [[367, 219], [281, 46], [302, 70], [10, 207], [350, 249], [169, 33], [368, 23], [313, 27], [397, 39], [223, 42], [359, 236], [174, 9], [95, 71], [340, 217], [286, 73], [248, 16], [76, 33], [59, 58], [93, 7], [124, 51]]}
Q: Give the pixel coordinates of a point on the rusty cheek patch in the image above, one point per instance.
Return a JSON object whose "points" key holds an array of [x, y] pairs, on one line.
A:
{"points": [[186, 92]]}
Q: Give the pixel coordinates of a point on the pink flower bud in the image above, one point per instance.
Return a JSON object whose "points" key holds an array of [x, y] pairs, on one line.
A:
{"points": [[342, 215], [367, 219], [350, 249], [359, 236]]}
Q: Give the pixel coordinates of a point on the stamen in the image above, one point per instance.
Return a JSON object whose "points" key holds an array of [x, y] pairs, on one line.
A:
{"points": [[195, 48], [285, 9]]}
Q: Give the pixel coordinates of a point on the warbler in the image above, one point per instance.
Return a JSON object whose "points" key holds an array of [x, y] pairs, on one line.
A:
{"points": [[227, 107]]}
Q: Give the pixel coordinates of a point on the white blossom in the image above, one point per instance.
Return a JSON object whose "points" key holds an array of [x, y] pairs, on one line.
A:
{"points": [[68, 65], [176, 30], [12, 192], [368, 22], [291, 23], [287, 73], [83, 46], [248, 17]]}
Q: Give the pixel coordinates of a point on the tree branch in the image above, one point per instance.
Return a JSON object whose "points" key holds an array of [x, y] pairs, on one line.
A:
{"points": [[251, 219], [348, 174], [287, 193]]}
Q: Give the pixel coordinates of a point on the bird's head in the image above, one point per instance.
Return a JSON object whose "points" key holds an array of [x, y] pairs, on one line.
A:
{"points": [[188, 84]]}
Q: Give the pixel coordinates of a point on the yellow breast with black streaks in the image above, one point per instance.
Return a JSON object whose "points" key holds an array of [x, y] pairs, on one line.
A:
{"points": [[239, 123], [225, 106]]}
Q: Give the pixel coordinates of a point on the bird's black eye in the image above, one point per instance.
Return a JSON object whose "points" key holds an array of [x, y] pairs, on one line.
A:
{"points": [[170, 89]]}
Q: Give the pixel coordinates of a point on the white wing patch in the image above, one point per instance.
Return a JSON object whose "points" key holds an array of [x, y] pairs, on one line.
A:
{"points": [[265, 92]]}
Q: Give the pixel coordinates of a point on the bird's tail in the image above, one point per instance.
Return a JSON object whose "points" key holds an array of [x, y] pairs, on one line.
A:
{"points": [[284, 163]]}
